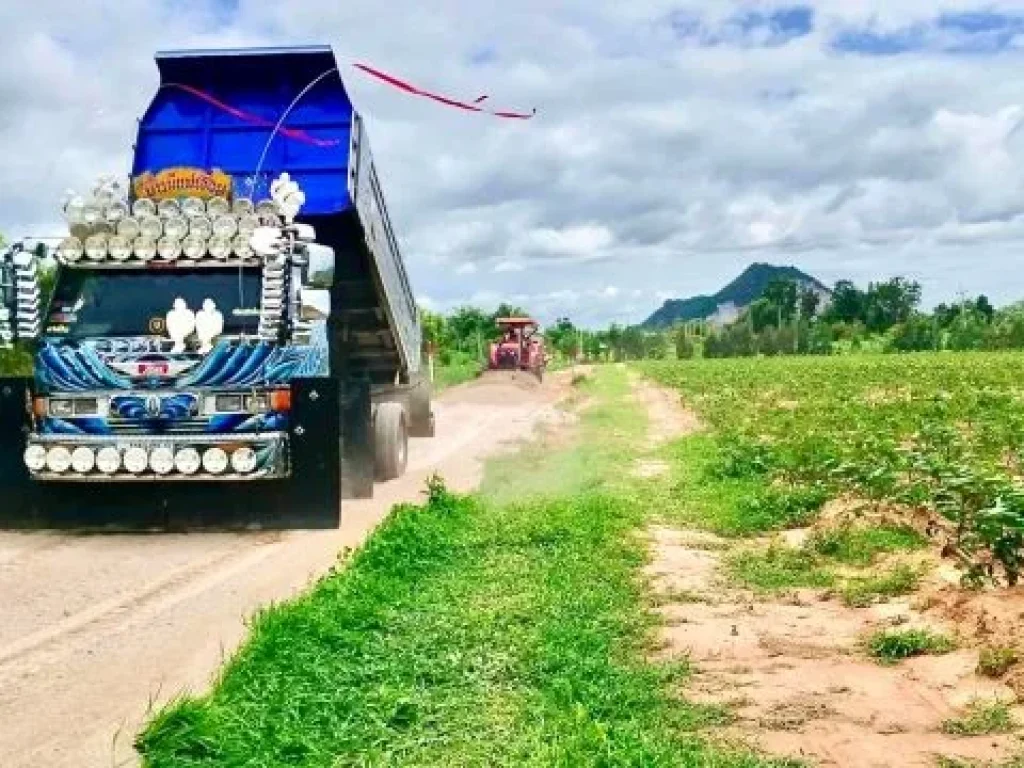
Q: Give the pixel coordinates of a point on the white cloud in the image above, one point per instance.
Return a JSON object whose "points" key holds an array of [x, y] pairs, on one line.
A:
{"points": [[654, 167], [508, 266]]}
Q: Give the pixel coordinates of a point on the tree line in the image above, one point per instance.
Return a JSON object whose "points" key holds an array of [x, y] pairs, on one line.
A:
{"points": [[788, 318]]}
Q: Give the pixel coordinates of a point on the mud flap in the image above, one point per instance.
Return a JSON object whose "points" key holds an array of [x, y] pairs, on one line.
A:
{"points": [[357, 438], [310, 498]]}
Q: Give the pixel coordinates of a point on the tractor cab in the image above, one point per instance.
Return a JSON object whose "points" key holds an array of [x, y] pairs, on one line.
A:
{"points": [[520, 347]]}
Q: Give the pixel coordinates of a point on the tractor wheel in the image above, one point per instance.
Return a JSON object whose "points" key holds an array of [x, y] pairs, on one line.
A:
{"points": [[390, 441]]}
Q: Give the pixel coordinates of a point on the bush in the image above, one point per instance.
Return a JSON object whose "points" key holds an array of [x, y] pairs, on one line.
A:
{"points": [[889, 646]]}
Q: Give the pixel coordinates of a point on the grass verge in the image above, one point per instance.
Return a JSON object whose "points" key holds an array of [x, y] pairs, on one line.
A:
{"points": [[466, 632]]}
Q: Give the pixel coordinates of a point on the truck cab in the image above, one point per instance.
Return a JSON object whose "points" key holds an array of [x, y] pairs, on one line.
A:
{"points": [[235, 315]]}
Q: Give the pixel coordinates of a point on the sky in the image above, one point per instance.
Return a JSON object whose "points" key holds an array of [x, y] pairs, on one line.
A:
{"points": [[675, 142]]}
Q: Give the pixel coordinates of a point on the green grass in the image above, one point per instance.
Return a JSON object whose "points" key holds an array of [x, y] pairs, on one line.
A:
{"points": [[446, 376], [996, 661], [597, 456], [982, 717], [776, 568], [861, 591], [467, 632], [696, 496], [861, 546], [892, 645]]}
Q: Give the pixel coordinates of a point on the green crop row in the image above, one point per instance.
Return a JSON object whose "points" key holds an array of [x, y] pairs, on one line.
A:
{"points": [[942, 431]]}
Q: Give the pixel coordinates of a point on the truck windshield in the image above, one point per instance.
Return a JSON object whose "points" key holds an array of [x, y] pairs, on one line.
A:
{"points": [[133, 302]]}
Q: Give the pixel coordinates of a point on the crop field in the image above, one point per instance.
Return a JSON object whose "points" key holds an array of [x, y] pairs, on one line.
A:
{"points": [[938, 431], [619, 593]]}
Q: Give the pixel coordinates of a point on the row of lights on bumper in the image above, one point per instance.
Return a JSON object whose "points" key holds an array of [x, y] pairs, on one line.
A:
{"points": [[161, 460]]}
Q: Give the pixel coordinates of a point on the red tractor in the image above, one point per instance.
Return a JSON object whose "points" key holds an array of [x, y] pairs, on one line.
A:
{"points": [[521, 347]]}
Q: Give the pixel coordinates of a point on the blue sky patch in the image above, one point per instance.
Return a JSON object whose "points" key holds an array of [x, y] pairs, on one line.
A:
{"points": [[970, 32], [747, 28]]}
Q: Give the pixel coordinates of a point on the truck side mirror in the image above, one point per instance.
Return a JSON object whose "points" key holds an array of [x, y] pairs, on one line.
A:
{"points": [[314, 303], [319, 266], [20, 296]]}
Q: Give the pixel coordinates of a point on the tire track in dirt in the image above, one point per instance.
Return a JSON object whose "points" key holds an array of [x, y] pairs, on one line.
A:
{"points": [[171, 587]]}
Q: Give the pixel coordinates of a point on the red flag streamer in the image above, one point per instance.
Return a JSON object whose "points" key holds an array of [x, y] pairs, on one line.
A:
{"points": [[409, 88], [248, 117]]}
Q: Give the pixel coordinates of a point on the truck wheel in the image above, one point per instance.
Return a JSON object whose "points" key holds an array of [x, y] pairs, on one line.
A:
{"points": [[390, 441], [421, 418]]}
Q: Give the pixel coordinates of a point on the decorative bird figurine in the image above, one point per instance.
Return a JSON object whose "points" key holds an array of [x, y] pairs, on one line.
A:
{"points": [[288, 196], [209, 325], [181, 321]]}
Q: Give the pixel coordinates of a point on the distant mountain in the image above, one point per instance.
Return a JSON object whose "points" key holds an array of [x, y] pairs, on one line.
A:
{"points": [[729, 301]]}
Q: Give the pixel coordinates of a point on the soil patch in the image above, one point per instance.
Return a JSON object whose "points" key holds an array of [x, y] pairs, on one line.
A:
{"points": [[667, 415], [793, 672]]}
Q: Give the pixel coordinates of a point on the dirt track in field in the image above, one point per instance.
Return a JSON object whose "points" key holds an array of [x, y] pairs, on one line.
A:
{"points": [[93, 629]]}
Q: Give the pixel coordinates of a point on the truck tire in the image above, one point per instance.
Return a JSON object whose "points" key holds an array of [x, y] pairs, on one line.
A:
{"points": [[390, 441], [421, 418]]}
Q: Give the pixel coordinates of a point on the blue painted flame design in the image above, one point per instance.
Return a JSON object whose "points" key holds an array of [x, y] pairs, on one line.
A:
{"points": [[172, 407]]}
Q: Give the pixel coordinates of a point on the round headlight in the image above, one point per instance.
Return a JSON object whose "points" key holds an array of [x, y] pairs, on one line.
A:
{"points": [[241, 206], [168, 248], [144, 248], [70, 249], [193, 247], [200, 226], [240, 245], [58, 459], [215, 461], [225, 226], [120, 248], [74, 210], [168, 207], [96, 247], [129, 227], [187, 461], [116, 211], [108, 460], [151, 227], [144, 207], [193, 206], [216, 206], [35, 457], [136, 459], [92, 214], [243, 460], [161, 460], [220, 247], [248, 224], [83, 460], [176, 227]]}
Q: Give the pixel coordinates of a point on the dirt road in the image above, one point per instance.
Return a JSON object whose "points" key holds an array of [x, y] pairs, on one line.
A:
{"points": [[93, 629]]}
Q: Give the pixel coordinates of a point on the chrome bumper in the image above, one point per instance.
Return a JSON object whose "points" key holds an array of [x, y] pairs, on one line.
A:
{"points": [[271, 449]]}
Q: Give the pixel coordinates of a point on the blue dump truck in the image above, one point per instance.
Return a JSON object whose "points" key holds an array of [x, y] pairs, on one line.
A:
{"points": [[231, 339]]}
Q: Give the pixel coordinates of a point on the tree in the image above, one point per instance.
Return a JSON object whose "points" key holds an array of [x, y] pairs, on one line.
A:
{"points": [[809, 302], [847, 303], [783, 295], [890, 302], [984, 308]]}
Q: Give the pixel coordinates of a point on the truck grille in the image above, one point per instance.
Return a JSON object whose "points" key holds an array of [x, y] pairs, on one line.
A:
{"points": [[135, 427]]}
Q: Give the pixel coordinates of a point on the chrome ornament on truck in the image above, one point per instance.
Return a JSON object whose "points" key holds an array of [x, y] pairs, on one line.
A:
{"points": [[20, 296]]}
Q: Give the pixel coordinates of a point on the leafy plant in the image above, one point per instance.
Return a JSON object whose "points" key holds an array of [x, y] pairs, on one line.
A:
{"points": [[901, 580], [891, 645], [996, 661], [981, 718]]}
